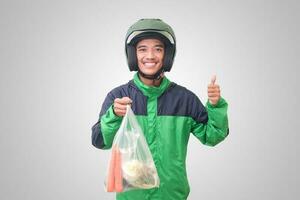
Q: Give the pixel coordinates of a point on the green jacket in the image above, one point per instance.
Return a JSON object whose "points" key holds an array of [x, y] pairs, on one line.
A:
{"points": [[167, 115]]}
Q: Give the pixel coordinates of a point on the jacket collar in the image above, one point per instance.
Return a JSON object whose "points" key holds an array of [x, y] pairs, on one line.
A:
{"points": [[151, 91]]}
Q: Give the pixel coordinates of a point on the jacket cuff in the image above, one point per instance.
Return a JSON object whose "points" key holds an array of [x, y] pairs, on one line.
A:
{"points": [[217, 115], [110, 123], [221, 103]]}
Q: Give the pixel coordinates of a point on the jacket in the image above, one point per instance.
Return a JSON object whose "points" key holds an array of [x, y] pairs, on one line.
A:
{"points": [[167, 115]]}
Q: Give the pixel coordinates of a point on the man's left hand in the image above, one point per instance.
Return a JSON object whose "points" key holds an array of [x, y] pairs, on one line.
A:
{"points": [[213, 91]]}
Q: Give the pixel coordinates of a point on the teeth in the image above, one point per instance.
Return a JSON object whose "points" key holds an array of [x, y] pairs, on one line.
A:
{"points": [[150, 64]]}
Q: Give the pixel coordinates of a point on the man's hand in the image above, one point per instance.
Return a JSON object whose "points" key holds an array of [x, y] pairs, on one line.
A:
{"points": [[120, 105], [213, 91]]}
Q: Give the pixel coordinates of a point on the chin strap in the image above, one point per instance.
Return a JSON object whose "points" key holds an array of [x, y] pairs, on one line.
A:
{"points": [[156, 76]]}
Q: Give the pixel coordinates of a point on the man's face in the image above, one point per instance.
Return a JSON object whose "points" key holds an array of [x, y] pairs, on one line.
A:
{"points": [[150, 54]]}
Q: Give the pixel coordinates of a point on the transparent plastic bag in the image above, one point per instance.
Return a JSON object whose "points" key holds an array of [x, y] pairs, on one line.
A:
{"points": [[131, 165]]}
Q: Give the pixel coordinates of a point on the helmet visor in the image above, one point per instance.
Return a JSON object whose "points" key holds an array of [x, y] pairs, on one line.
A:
{"points": [[137, 33]]}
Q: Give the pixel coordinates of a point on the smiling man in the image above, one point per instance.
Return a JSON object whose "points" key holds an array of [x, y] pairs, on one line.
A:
{"points": [[166, 112]]}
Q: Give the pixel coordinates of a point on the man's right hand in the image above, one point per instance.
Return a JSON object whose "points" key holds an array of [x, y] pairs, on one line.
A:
{"points": [[120, 105]]}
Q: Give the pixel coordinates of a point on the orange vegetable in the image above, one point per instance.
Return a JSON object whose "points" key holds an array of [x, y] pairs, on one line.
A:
{"points": [[118, 171], [110, 183]]}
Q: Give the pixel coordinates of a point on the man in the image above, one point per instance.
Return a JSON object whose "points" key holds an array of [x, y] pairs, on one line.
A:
{"points": [[167, 112]]}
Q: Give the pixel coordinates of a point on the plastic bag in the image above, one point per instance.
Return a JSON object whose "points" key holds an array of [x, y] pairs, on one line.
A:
{"points": [[131, 164]]}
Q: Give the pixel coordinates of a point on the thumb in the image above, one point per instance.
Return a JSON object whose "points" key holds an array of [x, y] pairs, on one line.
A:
{"points": [[127, 100], [213, 79]]}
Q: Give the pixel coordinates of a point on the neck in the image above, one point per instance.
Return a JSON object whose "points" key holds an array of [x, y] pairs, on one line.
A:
{"points": [[150, 82]]}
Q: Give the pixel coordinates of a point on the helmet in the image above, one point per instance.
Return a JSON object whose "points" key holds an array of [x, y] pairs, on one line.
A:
{"points": [[145, 29]]}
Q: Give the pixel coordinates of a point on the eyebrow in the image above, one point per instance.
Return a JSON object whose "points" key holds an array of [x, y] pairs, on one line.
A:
{"points": [[144, 46]]}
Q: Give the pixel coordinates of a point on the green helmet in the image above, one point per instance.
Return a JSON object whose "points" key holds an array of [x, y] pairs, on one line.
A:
{"points": [[150, 28]]}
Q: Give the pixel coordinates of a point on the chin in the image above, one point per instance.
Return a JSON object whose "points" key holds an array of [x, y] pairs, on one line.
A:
{"points": [[149, 72]]}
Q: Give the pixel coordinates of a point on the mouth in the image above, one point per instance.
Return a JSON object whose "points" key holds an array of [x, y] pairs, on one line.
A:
{"points": [[149, 64]]}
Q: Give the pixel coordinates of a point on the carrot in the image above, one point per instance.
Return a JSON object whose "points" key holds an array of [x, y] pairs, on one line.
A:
{"points": [[110, 184], [118, 172]]}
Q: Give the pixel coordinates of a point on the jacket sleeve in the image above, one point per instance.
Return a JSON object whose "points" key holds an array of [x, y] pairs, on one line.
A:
{"points": [[104, 130], [215, 129]]}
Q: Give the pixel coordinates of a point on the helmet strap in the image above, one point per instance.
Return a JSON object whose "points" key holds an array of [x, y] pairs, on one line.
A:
{"points": [[156, 76]]}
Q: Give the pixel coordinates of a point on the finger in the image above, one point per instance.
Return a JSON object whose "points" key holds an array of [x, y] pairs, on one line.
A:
{"points": [[213, 90], [120, 112], [214, 98], [213, 94], [120, 106], [123, 101], [213, 79], [126, 100], [210, 86], [117, 100]]}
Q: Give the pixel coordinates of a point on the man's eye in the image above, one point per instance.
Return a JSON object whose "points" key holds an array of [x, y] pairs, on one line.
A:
{"points": [[141, 50], [159, 49]]}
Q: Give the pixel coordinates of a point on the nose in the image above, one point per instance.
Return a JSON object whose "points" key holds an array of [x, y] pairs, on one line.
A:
{"points": [[150, 55]]}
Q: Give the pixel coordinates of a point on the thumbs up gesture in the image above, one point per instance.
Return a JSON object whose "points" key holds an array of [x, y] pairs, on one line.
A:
{"points": [[213, 91]]}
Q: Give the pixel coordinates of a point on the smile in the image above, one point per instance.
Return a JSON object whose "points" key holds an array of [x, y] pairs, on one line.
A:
{"points": [[149, 64]]}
